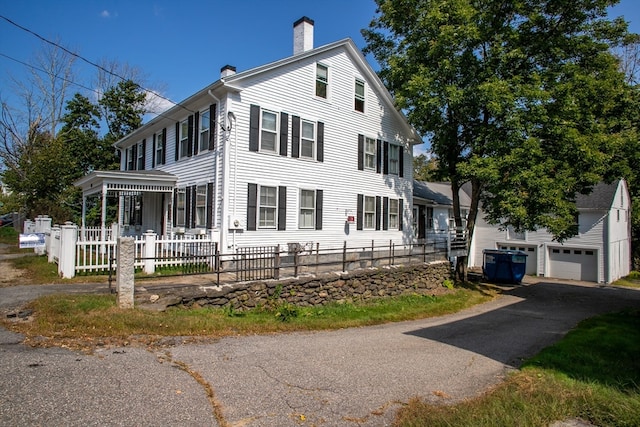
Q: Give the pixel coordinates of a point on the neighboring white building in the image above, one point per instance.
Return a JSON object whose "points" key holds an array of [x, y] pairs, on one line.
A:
{"points": [[433, 209], [306, 149], [601, 252]]}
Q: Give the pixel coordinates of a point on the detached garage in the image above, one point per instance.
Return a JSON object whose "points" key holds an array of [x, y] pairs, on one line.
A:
{"points": [[573, 263], [532, 256]]}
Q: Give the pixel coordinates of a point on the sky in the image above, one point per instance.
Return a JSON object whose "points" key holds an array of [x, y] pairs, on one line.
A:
{"points": [[180, 46]]}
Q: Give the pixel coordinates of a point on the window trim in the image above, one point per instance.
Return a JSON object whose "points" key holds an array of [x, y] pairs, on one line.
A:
{"points": [[394, 225], [314, 140], [140, 155], [394, 148], [181, 207], [311, 209], [275, 132], [320, 82], [357, 98], [262, 206], [371, 155], [371, 214], [204, 126], [158, 153], [200, 204], [183, 139]]}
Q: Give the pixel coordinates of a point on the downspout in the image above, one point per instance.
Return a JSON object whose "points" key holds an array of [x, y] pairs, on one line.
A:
{"points": [[221, 149]]}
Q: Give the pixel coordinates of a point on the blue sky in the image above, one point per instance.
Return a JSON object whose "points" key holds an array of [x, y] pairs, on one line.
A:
{"points": [[181, 46]]}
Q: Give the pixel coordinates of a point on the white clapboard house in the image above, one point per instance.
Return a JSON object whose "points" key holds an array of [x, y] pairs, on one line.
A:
{"points": [[306, 149]]}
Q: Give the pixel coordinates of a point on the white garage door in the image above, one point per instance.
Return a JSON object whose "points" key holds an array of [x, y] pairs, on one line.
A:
{"points": [[532, 256], [574, 264]]}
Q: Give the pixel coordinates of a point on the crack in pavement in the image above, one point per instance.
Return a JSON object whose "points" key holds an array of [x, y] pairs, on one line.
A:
{"points": [[216, 407]]}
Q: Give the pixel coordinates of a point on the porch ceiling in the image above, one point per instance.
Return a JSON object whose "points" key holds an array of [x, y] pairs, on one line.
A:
{"points": [[98, 182]]}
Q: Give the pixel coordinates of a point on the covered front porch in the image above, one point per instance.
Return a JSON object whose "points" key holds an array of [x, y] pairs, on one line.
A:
{"points": [[144, 199]]}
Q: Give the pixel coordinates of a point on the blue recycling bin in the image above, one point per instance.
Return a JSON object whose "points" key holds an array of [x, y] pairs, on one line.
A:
{"points": [[507, 266]]}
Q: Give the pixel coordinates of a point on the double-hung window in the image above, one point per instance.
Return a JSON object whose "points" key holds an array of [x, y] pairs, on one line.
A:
{"points": [[140, 159], [269, 131], [308, 139], [369, 212], [203, 132], [322, 80], [370, 148], [184, 138], [394, 159], [201, 206], [268, 207], [180, 207], [307, 209], [130, 159], [159, 153], [359, 96], [394, 214]]}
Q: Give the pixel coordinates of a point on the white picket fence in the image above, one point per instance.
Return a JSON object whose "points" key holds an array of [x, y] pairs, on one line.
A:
{"points": [[79, 250]]}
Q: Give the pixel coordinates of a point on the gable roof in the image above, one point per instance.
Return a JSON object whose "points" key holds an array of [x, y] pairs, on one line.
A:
{"points": [[439, 193], [226, 84], [600, 198]]}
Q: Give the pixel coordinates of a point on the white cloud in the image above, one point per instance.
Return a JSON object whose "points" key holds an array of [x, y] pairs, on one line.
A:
{"points": [[105, 14]]}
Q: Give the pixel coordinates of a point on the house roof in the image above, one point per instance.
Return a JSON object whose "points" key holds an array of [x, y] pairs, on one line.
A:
{"points": [[600, 198], [229, 83], [439, 193]]}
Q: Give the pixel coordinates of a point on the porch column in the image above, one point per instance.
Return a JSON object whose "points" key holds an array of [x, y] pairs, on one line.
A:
{"points": [[103, 214]]}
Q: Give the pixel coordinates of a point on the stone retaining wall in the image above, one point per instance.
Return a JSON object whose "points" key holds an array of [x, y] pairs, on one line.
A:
{"points": [[359, 285]]}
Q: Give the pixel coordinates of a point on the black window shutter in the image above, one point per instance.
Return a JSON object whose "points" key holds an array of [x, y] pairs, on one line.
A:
{"points": [[319, 202], [144, 154], [284, 133], [295, 136], [196, 129], [282, 208], [401, 161], [385, 213], [378, 156], [254, 128], [177, 153], [400, 214], [164, 146], [320, 153], [378, 211], [385, 164], [210, 205], [360, 152], [252, 207], [190, 136], [153, 152], [187, 208], [213, 115], [175, 207], [360, 213]]}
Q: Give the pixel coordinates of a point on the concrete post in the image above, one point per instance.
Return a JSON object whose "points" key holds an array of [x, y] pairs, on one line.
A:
{"points": [[125, 260], [149, 252], [67, 256]]}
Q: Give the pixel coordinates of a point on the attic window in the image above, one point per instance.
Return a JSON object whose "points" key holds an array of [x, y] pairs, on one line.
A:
{"points": [[322, 80], [359, 96]]}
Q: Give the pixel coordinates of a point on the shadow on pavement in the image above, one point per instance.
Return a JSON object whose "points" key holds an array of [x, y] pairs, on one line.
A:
{"points": [[539, 315]]}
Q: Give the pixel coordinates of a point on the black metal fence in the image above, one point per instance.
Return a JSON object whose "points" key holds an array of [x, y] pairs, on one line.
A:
{"points": [[271, 262]]}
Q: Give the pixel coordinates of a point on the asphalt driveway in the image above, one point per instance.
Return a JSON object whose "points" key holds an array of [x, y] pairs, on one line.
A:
{"points": [[350, 377]]}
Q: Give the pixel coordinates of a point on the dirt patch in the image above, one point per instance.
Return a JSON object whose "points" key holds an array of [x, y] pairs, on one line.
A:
{"points": [[10, 276]]}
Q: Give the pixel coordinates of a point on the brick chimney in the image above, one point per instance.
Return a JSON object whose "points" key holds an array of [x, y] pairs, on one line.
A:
{"points": [[302, 35], [227, 70]]}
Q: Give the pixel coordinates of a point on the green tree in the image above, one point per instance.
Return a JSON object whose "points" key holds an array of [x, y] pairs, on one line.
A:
{"points": [[425, 168], [123, 106], [523, 99]]}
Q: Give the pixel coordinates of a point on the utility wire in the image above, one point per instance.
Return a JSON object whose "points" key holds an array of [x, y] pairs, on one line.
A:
{"points": [[97, 92], [82, 58]]}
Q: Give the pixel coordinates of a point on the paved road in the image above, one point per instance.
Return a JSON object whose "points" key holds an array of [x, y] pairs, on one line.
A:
{"points": [[351, 377]]}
